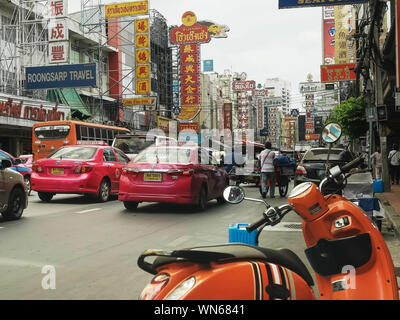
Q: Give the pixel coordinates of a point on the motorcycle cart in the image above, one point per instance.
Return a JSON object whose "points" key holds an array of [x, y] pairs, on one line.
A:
{"points": [[283, 172]]}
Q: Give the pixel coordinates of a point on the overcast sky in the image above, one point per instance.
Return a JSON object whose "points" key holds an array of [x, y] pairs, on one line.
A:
{"points": [[263, 41]]}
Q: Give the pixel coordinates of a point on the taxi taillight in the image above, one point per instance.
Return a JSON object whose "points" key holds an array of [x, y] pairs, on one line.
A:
{"points": [[37, 168], [83, 169], [187, 172], [130, 171]]}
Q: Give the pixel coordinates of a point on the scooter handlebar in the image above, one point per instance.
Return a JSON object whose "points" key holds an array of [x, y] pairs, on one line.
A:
{"points": [[271, 217], [257, 224]]}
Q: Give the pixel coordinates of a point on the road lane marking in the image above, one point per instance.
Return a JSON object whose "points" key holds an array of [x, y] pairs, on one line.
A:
{"points": [[89, 210], [4, 261]]}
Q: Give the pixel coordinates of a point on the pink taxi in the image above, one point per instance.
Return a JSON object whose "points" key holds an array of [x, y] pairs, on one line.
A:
{"points": [[79, 169], [185, 174]]}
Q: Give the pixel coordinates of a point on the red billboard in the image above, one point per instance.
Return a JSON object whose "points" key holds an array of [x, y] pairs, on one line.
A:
{"points": [[329, 41], [338, 72], [190, 31]]}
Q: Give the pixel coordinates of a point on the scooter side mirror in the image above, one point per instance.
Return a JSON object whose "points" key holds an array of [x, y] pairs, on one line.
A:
{"points": [[331, 133], [233, 194]]}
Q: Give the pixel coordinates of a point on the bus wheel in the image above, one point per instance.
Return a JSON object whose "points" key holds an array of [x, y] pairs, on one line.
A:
{"points": [[45, 196]]}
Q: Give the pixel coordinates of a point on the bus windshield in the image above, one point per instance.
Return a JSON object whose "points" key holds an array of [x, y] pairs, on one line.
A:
{"points": [[52, 132]]}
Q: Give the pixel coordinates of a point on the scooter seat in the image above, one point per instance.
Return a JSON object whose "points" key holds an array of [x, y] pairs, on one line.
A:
{"points": [[225, 253]]}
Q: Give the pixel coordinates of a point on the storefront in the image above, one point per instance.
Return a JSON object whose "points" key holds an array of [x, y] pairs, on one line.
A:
{"points": [[17, 116]]}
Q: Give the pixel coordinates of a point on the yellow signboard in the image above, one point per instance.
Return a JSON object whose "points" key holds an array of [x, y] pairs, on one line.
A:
{"points": [[142, 40], [142, 56], [137, 101], [126, 9], [143, 87], [142, 26], [143, 71], [188, 112]]}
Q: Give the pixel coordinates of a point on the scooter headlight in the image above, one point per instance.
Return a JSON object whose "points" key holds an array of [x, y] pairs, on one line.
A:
{"points": [[154, 287], [182, 289]]}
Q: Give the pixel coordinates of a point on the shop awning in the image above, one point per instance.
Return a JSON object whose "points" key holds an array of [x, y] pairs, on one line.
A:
{"points": [[69, 96]]}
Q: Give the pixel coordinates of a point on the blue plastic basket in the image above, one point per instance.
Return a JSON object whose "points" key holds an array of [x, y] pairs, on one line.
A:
{"points": [[239, 234]]}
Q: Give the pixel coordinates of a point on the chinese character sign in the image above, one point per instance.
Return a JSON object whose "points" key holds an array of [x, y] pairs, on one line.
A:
{"points": [[142, 54], [58, 33], [58, 52], [190, 81]]}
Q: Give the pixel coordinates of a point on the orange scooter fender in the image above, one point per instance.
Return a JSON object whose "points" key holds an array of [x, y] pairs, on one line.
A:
{"points": [[237, 280]]}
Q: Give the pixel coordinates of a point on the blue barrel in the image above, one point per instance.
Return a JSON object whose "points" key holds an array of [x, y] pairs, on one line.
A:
{"points": [[378, 186], [239, 234]]}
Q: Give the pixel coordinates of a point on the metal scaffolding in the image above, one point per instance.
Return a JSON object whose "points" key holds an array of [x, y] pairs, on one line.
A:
{"points": [[24, 43]]}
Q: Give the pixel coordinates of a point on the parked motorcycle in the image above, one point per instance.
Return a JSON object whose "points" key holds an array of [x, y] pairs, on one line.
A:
{"points": [[347, 252]]}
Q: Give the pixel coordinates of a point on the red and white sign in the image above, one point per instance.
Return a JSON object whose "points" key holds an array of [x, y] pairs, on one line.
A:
{"points": [[58, 8], [58, 32], [244, 85], [58, 52]]}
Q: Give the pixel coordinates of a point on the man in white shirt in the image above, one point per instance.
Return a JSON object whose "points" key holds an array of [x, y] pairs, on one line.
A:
{"points": [[266, 158], [394, 157]]}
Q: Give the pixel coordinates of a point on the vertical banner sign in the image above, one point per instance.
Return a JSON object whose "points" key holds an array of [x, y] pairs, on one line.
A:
{"points": [[328, 34], [228, 116], [260, 117], [189, 36], [190, 81], [58, 32], [142, 54], [345, 51], [243, 115]]}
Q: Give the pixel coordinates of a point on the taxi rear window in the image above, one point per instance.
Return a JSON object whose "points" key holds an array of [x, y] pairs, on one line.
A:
{"points": [[81, 153], [164, 155]]}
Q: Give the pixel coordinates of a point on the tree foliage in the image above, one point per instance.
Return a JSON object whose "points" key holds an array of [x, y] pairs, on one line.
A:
{"points": [[350, 115]]}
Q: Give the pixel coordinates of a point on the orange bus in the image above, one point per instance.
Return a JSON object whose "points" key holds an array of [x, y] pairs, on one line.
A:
{"points": [[50, 135]]}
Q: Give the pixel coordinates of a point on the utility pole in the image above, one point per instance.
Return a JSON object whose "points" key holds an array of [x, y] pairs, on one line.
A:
{"points": [[379, 99]]}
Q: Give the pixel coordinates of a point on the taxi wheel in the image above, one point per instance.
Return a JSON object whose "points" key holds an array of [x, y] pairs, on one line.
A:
{"points": [[131, 205], [104, 191], [202, 204], [15, 205], [45, 196]]}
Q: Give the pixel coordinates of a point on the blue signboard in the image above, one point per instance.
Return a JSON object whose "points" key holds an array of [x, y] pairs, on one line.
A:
{"points": [[62, 76], [315, 3], [208, 65]]}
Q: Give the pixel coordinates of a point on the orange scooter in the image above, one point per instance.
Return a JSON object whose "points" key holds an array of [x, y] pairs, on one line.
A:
{"points": [[347, 252]]}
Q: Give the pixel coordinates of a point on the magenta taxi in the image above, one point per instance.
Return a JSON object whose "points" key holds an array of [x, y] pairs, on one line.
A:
{"points": [[178, 174], [79, 169]]}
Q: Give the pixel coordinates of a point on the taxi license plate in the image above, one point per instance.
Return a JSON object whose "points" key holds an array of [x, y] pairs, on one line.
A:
{"points": [[57, 170], [152, 177]]}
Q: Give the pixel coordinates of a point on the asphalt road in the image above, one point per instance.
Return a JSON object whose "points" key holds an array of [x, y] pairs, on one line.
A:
{"points": [[89, 250]]}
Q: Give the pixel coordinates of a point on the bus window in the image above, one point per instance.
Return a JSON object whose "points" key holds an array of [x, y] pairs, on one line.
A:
{"points": [[91, 135], [52, 132], [97, 134], [104, 135]]}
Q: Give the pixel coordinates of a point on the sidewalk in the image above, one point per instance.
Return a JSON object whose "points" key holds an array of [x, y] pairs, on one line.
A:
{"points": [[391, 204]]}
